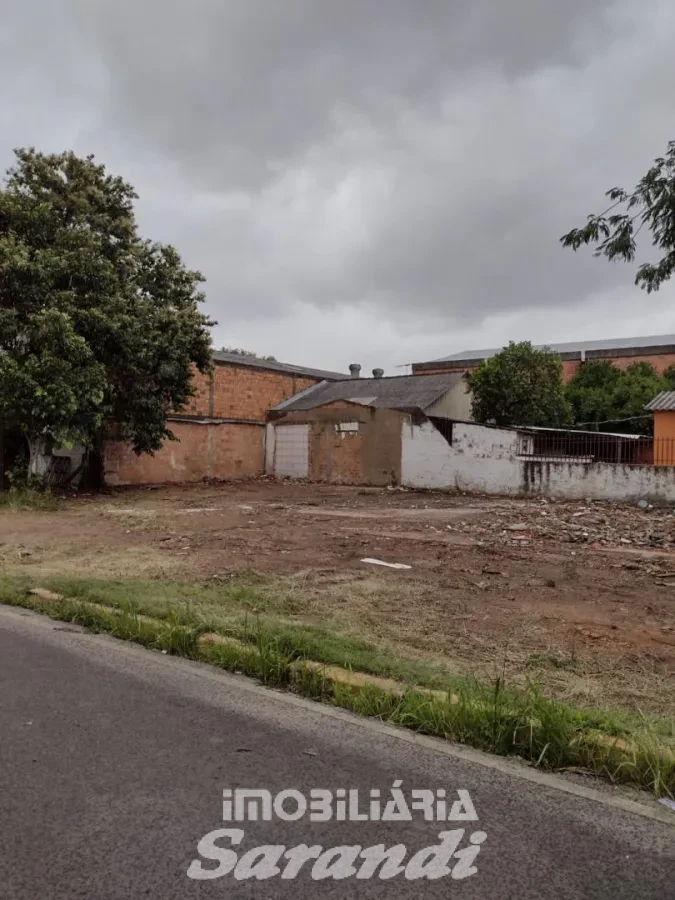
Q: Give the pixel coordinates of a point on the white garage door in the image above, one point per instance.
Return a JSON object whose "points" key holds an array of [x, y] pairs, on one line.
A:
{"points": [[291, 451]]}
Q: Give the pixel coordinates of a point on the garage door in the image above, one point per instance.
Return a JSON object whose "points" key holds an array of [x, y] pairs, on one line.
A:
{"points": [[291, 451]]}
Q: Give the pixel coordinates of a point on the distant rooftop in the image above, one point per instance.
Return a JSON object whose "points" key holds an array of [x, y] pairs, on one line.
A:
{"points": [[397, 392], [632, 343], [254, 362]]}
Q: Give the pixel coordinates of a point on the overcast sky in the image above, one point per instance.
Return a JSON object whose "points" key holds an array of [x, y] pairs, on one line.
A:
{"points": [[379, 181]]}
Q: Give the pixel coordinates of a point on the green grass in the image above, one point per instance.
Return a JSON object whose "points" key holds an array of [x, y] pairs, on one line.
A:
{"points": [[491, 716], [241, 609], [28, 498]]}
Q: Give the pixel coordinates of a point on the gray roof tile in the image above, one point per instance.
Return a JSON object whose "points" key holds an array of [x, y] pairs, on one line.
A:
{"points": [[399, 392]]}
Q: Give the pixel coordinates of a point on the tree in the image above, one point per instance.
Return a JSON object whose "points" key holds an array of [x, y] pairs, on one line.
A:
{"points": [[96, 324], [591, 394], [238, 351], [520, 385], [614, 232], [639, 384], [669, 378], [606, 398]]}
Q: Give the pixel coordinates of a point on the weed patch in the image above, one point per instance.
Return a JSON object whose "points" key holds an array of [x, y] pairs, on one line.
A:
{"points": [[19, 498]]}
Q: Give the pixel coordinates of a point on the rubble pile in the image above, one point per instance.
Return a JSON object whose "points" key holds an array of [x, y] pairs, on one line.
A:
{"points": [[520, 522]]}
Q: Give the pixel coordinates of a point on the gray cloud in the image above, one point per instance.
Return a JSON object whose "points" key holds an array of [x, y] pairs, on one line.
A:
{"points": [[232, 87], [339, 168]]}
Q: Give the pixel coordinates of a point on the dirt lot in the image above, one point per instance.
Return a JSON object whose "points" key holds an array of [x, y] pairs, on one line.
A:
{"points": [[579, 596]]}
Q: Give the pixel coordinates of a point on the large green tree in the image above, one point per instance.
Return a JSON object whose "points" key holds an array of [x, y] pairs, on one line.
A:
{"points": [[650, 205], [96, 323], [606, 398], [591, 393], [639, 384], [520, 385]]}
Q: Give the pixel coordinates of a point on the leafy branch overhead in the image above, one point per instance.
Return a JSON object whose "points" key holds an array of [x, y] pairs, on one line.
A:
{"points": [[96, 323], [651, 204]]}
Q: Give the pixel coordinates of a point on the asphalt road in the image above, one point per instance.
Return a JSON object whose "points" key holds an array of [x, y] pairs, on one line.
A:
{"points": [[113, 762]]}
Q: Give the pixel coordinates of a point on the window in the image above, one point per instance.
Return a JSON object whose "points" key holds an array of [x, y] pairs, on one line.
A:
{"points": [[346, 427]]}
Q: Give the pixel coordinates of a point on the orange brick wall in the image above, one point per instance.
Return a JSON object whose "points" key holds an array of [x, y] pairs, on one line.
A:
{"points": [[659, 361], [236, 392], [201, 451], [570, 368], [345, 452], [199, 405], [211, 450], [240, 393]]}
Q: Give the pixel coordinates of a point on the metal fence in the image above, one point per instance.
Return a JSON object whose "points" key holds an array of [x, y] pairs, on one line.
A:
{"points": [[589, 448]]}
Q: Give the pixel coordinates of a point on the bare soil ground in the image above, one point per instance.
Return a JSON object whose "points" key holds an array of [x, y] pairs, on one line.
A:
{"points": [[579, 596]]}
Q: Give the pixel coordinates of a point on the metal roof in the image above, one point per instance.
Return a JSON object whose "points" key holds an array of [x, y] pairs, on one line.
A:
{"points": [[398, 392], [654, 340], [254, 362], [665, 400]]}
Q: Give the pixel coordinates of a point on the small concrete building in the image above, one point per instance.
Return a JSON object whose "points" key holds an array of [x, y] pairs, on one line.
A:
{"points": [[350, 432]]}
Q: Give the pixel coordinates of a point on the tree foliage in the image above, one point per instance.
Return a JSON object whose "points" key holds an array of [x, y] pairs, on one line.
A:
{"points": [[607, 398], [669, 378], [591, 393], [614, 232], [238, 351], [96, 323], [520, 385]]}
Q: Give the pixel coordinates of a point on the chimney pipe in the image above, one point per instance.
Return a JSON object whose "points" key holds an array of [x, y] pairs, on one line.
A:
{"points": [[355, 370], [378, 373]]}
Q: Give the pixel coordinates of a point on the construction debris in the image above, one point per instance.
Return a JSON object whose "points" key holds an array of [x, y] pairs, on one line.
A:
{"points": [[380, 562]]}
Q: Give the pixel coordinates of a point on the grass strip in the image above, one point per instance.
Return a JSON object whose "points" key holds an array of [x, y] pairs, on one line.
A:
{"points": [[490, 716]]}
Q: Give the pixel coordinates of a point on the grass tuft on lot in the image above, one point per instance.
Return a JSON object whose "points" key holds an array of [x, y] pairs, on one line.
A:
{"points": [[253, 637], [20, 498]]}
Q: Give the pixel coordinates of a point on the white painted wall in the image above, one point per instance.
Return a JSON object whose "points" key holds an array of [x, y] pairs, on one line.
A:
{"points": [[485, 459], [75, 453], [599, 481], [291, 451], [480, 459]]}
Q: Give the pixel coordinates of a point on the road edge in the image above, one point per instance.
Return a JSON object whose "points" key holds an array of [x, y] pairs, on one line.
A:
{"points": [[21, 617]]}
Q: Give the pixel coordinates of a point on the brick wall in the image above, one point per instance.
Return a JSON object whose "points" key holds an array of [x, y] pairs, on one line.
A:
{"points": [[237, 392], [211, 449], [201, 451], [337, 458], [199, 405], [241, 393]]}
